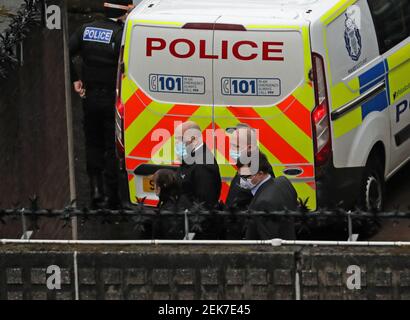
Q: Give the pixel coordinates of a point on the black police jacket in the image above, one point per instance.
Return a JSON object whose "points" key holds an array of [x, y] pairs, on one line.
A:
{"points": [[99, 44], [201, 181]]}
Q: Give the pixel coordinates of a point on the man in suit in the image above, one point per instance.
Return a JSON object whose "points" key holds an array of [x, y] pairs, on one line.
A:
{"points": [[199, 171], [269, 194], [243, 146]]}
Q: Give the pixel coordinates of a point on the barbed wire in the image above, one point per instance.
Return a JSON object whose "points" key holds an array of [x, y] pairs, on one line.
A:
{"points": [[21, 23]]}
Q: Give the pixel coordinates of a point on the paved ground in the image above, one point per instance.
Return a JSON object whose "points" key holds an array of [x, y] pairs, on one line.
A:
{"points": [[7, 9]]}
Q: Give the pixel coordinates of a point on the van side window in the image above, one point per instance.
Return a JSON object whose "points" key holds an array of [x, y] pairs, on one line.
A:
{"points": [[392, 21]]}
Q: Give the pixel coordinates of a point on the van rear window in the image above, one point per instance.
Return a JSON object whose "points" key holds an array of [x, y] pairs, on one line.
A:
{"points": [[392, 21]]}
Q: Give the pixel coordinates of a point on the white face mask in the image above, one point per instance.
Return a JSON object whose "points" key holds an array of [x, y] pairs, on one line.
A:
{"points": [[246, 184]]}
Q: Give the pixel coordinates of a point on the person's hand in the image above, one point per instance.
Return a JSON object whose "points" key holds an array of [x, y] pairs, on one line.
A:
{"points": [[79, 88]]}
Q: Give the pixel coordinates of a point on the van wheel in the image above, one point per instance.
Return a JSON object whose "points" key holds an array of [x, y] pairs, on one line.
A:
{"points": [[373, 187], [372, 197]]}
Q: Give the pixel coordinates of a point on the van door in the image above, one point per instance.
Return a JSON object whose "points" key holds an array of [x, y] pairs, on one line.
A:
{"points": [[168, 80], [392, 23], [261, 78]]}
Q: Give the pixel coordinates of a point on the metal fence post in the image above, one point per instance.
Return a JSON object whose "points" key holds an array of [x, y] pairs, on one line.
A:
{"points": [[69, 115], [186, 225], [23, 224], [350, 225], [43, 13]]}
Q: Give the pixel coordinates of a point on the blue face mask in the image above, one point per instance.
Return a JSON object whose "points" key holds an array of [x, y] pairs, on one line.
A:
{"points": [[181, 150], [235, 155]]}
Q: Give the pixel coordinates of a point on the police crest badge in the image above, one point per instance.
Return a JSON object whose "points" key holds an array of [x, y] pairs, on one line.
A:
{"points": [[353, 38]]}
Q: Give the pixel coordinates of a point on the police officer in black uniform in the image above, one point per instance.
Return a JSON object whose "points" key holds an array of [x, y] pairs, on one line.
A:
{"points": [[99, 44]]}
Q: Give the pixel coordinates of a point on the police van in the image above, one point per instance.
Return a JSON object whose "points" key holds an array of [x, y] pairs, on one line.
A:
{"points": [[325, 82]]}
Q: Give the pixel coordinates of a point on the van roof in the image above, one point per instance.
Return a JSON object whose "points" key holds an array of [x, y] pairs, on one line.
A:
{"points": [[290, 10]]}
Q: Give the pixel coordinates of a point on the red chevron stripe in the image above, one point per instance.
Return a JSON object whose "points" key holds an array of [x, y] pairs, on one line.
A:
{"points": [[308, 171], [297, 113], [134, 106], [147, 147], [269, 137], [224, 191], [150, 202], [312, 185], [132, 164]]}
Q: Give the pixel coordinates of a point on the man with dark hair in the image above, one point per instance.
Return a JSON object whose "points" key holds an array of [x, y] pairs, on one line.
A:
{"points": [[269, 194], [98, 43]]}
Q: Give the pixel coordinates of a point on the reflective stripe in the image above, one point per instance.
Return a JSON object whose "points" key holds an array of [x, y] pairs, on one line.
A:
{"points": [[133, 108], [297, 113], [347, 123], [159, 23], [200, 116], [368, 99], [132, 188], [268, 136], [145, 146], [143, 124], [336, 11], [398, 65], [127, 44], [128, 88]]}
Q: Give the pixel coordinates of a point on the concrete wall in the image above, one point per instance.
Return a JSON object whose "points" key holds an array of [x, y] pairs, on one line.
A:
{"points": [[204, 272]]}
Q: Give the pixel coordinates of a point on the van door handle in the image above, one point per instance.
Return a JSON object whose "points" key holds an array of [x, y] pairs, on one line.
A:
{"points": [[365, 97]]}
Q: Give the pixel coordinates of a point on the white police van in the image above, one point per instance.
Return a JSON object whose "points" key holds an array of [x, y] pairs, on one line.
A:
{"points": [[326, 83]]}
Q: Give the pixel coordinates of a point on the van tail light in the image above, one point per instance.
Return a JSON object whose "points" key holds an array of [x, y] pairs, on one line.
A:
{"points": [[320, 115], [119, 114]]}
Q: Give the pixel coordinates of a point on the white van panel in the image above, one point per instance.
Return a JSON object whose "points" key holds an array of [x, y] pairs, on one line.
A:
{"points": [[344, 61], [256, 77], [162, 69]]}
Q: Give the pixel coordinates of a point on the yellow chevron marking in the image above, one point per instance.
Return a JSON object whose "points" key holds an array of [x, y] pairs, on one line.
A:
{"points": [[128, 88], [143, 124], [336, 11]]}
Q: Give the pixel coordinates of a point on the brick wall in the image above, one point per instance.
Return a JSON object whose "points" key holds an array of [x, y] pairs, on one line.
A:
{"points": [[204, 272]]}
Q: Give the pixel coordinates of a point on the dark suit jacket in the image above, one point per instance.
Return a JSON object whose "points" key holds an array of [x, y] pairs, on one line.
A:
{"points": [[238, 197], [276, 194], [201, 180]]}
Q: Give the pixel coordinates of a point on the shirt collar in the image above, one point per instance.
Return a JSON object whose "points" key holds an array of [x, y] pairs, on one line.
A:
{"points": [[256, 188]]}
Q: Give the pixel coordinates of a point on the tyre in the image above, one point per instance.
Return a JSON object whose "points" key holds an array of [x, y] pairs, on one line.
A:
{"points": [[372, 196], [372, 193]]}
